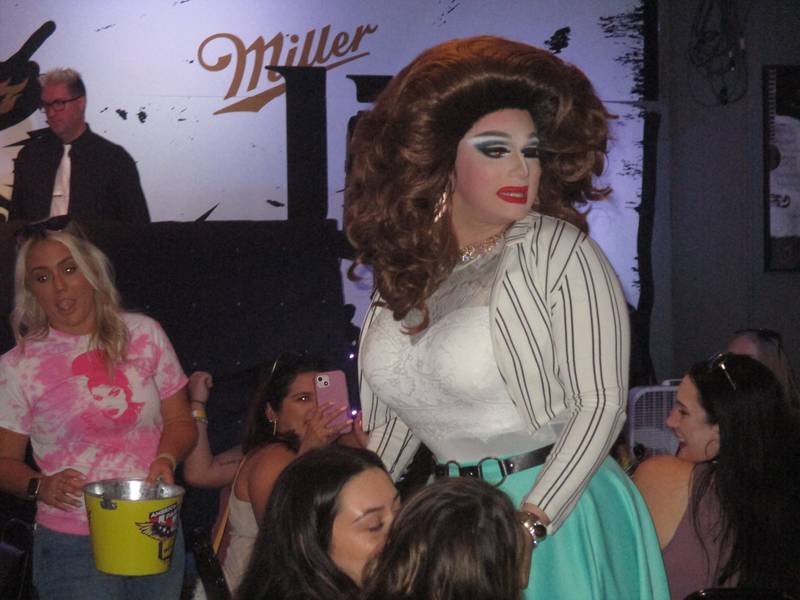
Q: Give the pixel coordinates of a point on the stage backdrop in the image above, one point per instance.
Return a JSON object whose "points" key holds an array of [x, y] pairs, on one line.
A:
{"points": [[182, 85]]}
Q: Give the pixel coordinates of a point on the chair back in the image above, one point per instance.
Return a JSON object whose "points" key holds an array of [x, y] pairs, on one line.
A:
{"points": [[207, 563]]}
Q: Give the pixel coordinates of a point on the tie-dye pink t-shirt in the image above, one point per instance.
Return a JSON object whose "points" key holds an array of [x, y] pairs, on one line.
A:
{"points": [[80, 416]]}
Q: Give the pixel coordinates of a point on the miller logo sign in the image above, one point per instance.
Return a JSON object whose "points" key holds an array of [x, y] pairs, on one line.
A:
{"points": [[318, 48]]}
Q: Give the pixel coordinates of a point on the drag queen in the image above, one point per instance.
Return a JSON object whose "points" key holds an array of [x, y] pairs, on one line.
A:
{"points": [[498, 334]]}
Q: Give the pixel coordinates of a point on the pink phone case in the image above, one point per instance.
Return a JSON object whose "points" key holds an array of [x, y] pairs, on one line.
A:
{"points": [[332, 388]]}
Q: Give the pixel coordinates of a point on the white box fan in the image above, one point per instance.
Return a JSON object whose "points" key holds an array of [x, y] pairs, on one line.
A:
{"points": [[648, 408]]}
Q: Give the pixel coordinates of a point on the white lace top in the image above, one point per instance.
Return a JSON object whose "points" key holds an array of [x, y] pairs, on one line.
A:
{"points": [[553, 331], [443, 382]]}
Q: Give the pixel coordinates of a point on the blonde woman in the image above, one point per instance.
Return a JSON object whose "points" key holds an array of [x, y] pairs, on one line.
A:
{"points": [[98, 392]]}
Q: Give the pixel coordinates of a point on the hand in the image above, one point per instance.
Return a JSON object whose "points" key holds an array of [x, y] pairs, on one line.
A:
{"points": [[361, 436], [319, 429], [161, 468], [200, 383], [62, 490], [525, 563], [357, 437]]}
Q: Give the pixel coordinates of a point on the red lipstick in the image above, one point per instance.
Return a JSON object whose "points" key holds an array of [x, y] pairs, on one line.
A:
{"points": [[513, 194]]}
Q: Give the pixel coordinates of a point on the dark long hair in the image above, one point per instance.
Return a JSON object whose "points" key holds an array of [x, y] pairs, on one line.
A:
{"points": [[754, 476], [273, 384], [457, 538], [290, 558]]}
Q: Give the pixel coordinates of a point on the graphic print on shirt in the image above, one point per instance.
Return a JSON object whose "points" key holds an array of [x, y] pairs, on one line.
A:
{"points": [[111, 392]]}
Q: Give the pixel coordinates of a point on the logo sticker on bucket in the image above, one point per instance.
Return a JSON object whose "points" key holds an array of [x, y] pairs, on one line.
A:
{"points": [[162, 525]]}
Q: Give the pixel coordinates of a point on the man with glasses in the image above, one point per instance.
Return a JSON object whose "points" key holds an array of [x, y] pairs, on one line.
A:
{"points": [[70, 169]]}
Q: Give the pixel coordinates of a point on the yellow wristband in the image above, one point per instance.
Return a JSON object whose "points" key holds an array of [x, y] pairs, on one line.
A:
{"points": [[199, 414], [170, 458]]}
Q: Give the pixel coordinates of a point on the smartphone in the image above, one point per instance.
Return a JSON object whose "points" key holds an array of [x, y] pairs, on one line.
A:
{"points": [[331, 388]]}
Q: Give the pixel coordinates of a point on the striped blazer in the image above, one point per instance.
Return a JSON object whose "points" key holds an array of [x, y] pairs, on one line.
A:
{"points": [[560, 336]]}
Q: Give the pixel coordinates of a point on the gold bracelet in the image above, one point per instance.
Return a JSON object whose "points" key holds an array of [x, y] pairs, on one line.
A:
{"points": [[170, 458], [199, 414]]}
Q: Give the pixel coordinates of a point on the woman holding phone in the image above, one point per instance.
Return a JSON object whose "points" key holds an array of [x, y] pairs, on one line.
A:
{"points": [[284, 421]]}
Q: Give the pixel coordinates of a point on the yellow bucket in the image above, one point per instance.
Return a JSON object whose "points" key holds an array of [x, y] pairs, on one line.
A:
{"points": [[132, 525]]}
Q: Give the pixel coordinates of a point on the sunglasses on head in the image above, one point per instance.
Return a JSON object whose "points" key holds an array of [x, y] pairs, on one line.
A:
{"points": [[39, 229], [718, 362], [285, 359]]}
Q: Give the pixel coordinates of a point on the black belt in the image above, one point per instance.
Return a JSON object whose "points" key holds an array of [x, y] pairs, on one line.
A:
{"points": [[507, 466]]}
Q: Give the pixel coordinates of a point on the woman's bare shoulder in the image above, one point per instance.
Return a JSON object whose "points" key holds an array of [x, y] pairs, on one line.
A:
{"points": [[663, 472], [664, 484], [270, 456]]}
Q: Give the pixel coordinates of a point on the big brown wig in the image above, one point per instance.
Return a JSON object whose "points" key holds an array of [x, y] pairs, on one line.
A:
{"points": [[404, 152]]}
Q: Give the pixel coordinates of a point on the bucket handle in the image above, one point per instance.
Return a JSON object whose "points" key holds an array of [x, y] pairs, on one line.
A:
{"points": [[108, 503]]}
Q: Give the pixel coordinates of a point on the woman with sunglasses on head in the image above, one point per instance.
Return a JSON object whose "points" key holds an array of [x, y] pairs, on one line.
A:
{"points": [[99, 393], [498, 333], [283, 422], [725, 508], [766, 346]]}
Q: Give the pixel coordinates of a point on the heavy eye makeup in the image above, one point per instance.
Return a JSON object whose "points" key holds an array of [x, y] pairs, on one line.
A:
{"points": [[498, 146]]}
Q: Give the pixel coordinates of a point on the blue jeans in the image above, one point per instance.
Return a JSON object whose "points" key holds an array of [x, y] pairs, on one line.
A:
{"points": [[63, 569]]}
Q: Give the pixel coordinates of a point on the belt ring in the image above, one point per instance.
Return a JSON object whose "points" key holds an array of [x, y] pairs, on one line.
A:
{"points": [[500, 465]]}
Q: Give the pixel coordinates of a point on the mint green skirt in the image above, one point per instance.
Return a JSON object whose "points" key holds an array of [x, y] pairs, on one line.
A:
{"points": [[606, 549]]}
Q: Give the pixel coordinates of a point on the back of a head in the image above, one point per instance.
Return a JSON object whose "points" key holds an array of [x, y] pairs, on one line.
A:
{"points": [[766, 346], [457, 538]]}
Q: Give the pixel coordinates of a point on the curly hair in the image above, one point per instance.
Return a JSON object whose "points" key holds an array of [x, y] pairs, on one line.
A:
{"points": [[28, 319], [404, 153]]}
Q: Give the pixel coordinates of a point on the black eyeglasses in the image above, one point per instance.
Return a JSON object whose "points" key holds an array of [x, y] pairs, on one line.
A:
{"points": [[57, 105], [766, 335], [39, 229], [718, 362]]}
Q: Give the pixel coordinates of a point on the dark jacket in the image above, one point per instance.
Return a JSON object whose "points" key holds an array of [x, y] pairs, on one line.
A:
{"points": [[104, 182]]}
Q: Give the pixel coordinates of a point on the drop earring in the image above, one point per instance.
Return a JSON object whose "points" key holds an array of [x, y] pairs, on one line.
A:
{"points": [[441, 207], [275, 428]]}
